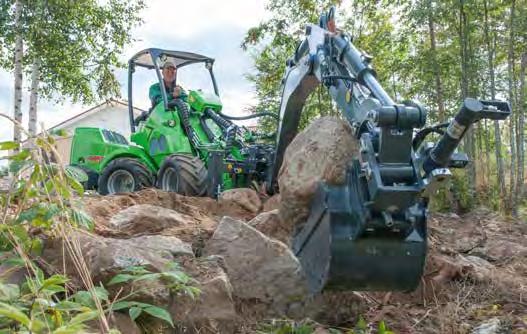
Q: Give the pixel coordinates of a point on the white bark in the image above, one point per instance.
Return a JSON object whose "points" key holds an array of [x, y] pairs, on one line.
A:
{"points": [[33, 98], [19, 52]]}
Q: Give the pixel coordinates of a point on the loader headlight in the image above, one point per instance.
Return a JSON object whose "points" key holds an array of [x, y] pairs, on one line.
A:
{"points": [[171, 123]]}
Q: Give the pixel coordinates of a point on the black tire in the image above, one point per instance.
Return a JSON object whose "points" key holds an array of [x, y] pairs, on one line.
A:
{"points": [[130, 170], [183, 174]]}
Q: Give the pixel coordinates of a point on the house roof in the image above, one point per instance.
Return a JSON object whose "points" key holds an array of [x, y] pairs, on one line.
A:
{"points": [[92, 111]]}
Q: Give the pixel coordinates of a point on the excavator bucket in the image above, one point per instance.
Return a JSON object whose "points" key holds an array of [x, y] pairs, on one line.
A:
{"points": [[338, 252]]}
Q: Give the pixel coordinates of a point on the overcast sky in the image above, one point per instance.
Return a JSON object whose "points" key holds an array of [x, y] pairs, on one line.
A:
{"points": [[213, 28]]}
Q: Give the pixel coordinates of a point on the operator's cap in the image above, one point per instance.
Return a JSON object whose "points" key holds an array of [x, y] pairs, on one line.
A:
{"points": [[168, 63]]}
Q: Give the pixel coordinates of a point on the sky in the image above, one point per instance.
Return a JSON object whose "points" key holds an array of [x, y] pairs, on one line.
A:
{"points": [[213, 28]]}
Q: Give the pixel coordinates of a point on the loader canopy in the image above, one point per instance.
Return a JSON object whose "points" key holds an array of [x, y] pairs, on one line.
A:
{"points": [[153, 59], [149, 58]]}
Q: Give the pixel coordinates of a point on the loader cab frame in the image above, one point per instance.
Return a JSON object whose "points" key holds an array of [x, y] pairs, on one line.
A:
{"points": [[152, 58]]}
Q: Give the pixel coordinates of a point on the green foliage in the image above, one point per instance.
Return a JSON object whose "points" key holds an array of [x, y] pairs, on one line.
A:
{"points": [[173, 277], [435, 52], [40, 306], [77, 43], [44, 199]]}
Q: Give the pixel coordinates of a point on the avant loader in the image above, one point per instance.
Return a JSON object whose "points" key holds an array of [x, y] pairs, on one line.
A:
{"points": [[367, 234], [188, 147]]}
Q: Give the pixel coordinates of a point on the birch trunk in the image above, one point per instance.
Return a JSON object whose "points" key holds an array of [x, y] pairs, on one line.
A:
{"points": [[19, 52], [33, 98]]}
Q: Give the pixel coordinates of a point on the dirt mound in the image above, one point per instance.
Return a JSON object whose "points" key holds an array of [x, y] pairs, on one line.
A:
{"points": [[475, 275]]}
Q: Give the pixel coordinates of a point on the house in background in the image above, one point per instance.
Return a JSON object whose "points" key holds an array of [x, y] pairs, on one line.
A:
{"points": [[111, 114]]}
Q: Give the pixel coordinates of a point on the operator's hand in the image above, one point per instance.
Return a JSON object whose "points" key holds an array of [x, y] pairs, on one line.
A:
{"points": [[177, 92]]}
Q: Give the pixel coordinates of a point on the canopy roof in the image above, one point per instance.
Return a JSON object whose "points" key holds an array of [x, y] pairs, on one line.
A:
{"points": [[179, 58]]}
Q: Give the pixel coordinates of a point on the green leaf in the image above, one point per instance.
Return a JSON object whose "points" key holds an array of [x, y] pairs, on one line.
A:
{"points": [[361, 324], [16, 166], [9, 292], [134, 312], [69, 329], [85, 316], [36, 246], [148, 277], [160, 313], [84, 298], [382, 328], [8, 145], [101, 293], [14, 313], [122, 305], [14, 261], [121, 278], [67, 305], [53, 289], [76, 174], [75, 185], [21, 156], [82, 219], [55, 280]]}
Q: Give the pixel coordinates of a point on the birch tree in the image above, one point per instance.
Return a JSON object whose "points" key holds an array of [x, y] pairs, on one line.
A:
{"points": [[72, 47]]}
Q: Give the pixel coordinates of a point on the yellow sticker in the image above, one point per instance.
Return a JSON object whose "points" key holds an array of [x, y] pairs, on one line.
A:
{"points": [[348, 96]]}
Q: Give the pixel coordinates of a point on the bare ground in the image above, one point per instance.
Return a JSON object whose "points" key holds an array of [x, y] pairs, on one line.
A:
{"points": [[476, 269]]}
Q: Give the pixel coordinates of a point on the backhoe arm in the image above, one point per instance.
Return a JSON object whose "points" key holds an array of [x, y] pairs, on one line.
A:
{"points": [[370, 233]]}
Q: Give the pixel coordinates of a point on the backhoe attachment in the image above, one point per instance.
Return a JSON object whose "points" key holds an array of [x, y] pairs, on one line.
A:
{"points": [[370, 233]]}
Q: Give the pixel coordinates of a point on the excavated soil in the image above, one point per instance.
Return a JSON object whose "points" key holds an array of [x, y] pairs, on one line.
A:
{"points": [[476, 270]]}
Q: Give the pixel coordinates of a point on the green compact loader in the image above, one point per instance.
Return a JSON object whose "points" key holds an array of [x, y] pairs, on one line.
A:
{"points": [[188, 147]]}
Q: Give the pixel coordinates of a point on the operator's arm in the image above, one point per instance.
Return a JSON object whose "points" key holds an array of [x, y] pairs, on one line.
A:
{"points": [[180, 92], [155, 94]]}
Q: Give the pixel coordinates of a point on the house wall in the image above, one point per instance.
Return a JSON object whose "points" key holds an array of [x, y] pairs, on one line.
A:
{"points": [[112, 117]]}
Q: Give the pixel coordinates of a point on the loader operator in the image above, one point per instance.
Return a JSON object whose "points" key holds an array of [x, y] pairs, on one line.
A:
{"points": [[169, 82]]}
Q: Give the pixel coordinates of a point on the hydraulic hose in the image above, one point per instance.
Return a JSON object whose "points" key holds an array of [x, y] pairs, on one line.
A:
{"points": [[229, 129], [206, 129], [184, 116], [242, 118], [222, 122]]}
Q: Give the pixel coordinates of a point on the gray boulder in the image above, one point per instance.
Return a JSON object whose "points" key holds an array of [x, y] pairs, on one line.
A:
{"points": [[319, 153], [259, 268]]}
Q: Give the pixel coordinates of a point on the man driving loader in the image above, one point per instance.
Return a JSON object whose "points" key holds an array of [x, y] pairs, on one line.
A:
{"points": [[169, 81]]}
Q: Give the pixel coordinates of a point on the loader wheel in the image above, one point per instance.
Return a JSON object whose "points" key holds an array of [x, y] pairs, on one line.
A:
{"points": [[124, 175], [183, 174]]}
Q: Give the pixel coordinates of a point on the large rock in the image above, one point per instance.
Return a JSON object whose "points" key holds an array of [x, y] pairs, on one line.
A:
{"points": [[500, 250], [146, 218], [163, 243], [491, 326], [259, 268], [214, 308], [319, 153], [107, 257], [270, 224], [122, 322], [246, 198], [272, 203], [462, 266]]}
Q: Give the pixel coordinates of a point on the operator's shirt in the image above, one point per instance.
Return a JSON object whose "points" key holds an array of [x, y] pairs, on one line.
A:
{"points": [[156, 96]]}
